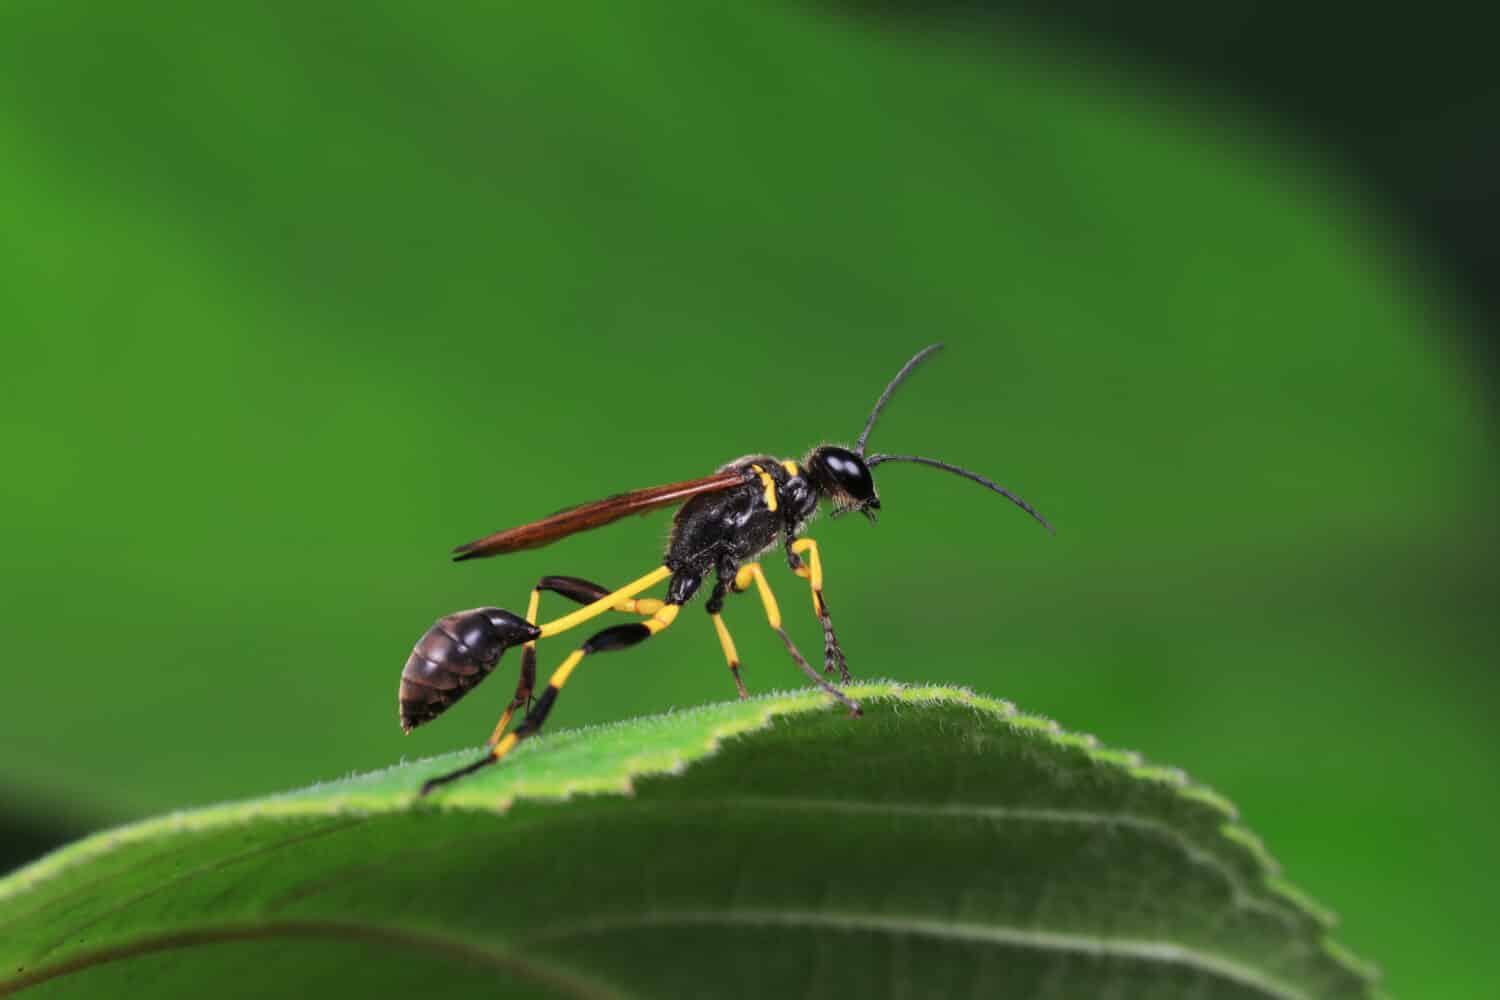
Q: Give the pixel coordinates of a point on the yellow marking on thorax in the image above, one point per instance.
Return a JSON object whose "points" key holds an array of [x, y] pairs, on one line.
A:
{"points": [[790, 467], [769, 484]]}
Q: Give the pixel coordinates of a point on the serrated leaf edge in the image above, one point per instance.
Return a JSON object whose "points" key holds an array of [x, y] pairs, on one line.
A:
{"points": [[306, 802]]}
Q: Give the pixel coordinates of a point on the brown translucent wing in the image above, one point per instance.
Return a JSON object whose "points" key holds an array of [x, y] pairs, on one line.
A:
{"points": [[593, 515]]}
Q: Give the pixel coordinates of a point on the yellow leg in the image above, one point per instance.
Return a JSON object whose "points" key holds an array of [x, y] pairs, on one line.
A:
{"points": [[742, 581], [812, 572], [528, 674], [606, 603], [730, 654], [618, 637], [522, 699]]}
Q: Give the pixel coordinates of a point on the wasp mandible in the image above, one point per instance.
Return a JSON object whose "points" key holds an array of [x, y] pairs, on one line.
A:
{"points": [[726, 523]]}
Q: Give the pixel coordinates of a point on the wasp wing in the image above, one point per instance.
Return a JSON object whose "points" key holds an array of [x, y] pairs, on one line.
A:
{"points": [[593, 515]]}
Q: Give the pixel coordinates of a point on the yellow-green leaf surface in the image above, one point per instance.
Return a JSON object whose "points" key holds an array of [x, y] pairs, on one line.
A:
{"points": [[943, 845]]}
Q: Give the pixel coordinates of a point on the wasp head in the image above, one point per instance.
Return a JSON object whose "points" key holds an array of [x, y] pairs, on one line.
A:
{"points": [[843, 477]]}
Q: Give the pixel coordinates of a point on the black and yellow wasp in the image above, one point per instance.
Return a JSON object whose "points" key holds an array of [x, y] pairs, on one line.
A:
{"points": [[727, 521]]}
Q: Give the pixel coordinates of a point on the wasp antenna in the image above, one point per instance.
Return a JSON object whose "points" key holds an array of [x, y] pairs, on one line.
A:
{"points": [[906, 369], [875, 460]]}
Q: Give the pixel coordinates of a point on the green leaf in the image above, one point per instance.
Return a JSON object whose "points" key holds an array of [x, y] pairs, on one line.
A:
{"points": [[942, 845]]}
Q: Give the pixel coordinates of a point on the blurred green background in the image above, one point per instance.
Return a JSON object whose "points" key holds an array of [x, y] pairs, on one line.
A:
{"points": [[296, 297]]}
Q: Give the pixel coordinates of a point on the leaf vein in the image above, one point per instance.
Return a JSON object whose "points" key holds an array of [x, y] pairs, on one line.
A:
{"points": [[1129, 949], [1241, 894]]}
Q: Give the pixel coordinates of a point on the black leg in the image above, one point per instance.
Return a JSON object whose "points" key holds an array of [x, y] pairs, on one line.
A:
{"points": [[610, 639], [682, 587], [580, 592], [724, 579], [753, 572], [833, 653]]}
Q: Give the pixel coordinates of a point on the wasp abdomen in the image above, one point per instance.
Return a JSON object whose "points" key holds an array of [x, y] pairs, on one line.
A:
{"points": [[453, 656]]}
